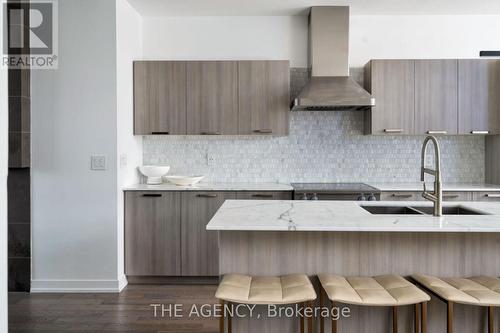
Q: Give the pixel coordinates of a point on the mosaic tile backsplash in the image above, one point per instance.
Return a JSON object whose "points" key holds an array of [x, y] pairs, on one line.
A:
{"points": [[322, 146]]}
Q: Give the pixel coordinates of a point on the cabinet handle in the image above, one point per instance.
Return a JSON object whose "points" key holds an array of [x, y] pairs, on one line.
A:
{"points": [[262, 195], [160, 133], [402, 196], [492, 195], [451, 196], [393, 130], [206, 195], [480, 132], [152, 195], [263, 131], [437, 132], [210, 133]]}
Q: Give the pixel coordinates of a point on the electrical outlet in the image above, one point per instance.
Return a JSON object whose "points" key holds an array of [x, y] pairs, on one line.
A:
{"points": [[210, 159], [98, 162]]}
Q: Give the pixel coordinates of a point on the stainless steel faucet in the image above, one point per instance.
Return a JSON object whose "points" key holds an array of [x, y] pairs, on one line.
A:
{"points": [[437, 195]]}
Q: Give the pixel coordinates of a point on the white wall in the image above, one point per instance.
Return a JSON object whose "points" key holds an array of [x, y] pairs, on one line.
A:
{"points": [[390, 36], [4, 155], [128, 49], [74, 216], [265, 37], [418, 36]]}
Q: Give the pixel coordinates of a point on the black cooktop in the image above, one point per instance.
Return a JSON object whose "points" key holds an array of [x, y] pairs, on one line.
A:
{"points": [[334, 188]]}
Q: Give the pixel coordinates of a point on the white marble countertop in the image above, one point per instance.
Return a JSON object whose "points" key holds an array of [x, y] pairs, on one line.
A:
{"points": [[262, 215], [450, 187], [384, 187], [212, 187]]}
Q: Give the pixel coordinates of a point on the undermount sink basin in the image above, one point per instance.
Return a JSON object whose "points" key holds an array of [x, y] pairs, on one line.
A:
{"points": [[451, 210], [387, 210], [401, 210]]}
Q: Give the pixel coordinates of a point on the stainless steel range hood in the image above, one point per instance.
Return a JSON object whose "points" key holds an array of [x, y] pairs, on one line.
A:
{"points": [[330, 87]]}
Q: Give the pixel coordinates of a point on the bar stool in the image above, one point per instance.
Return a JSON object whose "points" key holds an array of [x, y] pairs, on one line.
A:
{"points": [[270, 290], [387, 290], [480, 291]]}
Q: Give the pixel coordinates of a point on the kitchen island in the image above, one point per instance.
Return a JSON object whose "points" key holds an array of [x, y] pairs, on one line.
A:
{"points": [[340, 237]]}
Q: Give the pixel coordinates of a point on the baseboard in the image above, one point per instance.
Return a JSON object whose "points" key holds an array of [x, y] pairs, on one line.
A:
{"points": [[78, 286], [159, 280]]}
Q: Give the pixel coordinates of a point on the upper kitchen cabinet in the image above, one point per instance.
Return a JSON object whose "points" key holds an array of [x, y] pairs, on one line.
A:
{"points": [[436, 96], [392, 84], [159, 97], [478, 96], [264, 96], [212, 97]]}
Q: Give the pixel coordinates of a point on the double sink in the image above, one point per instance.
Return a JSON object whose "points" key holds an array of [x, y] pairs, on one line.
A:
{"points": [[402, 210]]}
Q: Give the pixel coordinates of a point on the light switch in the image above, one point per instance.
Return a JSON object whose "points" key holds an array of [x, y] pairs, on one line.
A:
{"points": [[123, 160], [98, 162]]}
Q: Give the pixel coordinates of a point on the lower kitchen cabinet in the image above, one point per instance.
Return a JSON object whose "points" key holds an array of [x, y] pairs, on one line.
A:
{"points": [[417, 196], [457, 196], [487, 196], [264, 195], [152, 233], [401, 196], [199, 247]]}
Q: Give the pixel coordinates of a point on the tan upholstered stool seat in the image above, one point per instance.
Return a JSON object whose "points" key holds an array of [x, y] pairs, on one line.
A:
{"points": [[385, 290], [246, 289], [480, 290]]}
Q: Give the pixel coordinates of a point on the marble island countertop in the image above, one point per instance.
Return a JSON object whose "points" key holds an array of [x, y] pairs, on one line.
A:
{"points": [[261, 215]]}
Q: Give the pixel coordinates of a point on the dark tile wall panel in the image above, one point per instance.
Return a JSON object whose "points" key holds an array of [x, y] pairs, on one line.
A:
{"points": [[19, 240], [19, 203], [19, 274]]}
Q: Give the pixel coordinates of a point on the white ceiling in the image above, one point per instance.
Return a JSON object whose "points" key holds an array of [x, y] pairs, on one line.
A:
{"points": [[159, 8]]}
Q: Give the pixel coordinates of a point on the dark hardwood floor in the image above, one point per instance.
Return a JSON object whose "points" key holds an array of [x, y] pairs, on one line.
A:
{"points": [[129, 311]]}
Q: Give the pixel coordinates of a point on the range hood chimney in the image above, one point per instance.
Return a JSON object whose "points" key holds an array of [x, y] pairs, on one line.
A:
{"points": [[330, 87]]}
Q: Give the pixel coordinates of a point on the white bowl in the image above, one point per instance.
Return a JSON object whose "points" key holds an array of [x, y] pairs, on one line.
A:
{"points": [[184, 180], [154, 173]]}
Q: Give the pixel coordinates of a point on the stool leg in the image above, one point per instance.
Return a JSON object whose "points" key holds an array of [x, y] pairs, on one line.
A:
{"points": [[221, 318], [417, 318], [321, 319], [310, 319], [302, 318], [229, 322], [449, 326], [334, 322], [491, 320], [424, 317], [394, 319]]}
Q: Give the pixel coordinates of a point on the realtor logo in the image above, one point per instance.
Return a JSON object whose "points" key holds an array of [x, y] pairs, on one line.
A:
{"points": [[30, 34]]}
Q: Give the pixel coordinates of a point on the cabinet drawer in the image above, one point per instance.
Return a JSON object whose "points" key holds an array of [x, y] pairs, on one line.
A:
{"points": [[487, 196], [457, 196], [417, 196], [401, 196], [264, 195]]}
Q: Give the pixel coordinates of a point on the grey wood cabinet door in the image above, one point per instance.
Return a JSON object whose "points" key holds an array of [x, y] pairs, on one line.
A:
{"points": [[159, 97], [200, 248], [212, 97], [264, 97], [152, 233], [436, 96], [392, 83], [265, 195], [478, 96]]}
